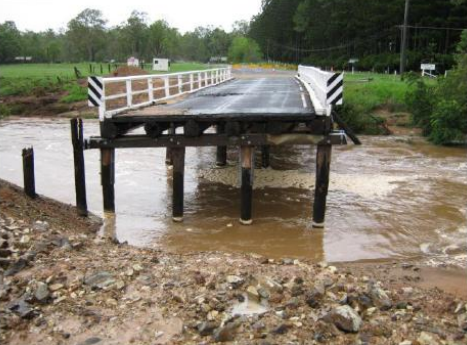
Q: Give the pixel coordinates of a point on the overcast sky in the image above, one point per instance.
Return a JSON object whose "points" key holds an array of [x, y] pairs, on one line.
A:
{"points": [[39, 15]]}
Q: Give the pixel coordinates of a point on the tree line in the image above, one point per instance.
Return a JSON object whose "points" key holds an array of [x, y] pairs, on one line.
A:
{"points": [[331, 32], [87, 37]]}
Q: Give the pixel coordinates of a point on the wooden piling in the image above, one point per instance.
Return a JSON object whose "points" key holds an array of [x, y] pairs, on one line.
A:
{"points": [[221, 154], [168, 151], [108, 179], [265, 163], [246, 189], [77, 139], [178, 157], [28, 172], [323, 165]]}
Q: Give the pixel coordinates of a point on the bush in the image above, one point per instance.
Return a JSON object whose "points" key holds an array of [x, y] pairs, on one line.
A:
{"points": [[244, 50], [420, 102], [448, 123]]}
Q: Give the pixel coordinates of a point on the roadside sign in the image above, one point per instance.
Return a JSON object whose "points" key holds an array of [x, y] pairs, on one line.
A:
{"points": [[428, 67]]}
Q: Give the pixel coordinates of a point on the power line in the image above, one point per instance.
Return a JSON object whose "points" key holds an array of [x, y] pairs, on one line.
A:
{"points": [[433, 28], [338, 47]]}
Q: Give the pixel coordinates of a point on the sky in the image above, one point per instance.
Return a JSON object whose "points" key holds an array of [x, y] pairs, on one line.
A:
{"points": [[39, 15]]}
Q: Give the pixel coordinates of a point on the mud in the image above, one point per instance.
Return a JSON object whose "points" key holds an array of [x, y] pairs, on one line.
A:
{"points": [[65, 285]]}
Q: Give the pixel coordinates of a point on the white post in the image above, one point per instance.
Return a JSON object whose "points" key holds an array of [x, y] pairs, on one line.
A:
{"points": [[129, 93], [205, 78], [199, 81], [102, 108], [180, 86], [150, 91], [166, 87], [191, 81]]}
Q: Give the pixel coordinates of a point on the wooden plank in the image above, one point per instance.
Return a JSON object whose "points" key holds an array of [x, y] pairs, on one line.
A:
{"points": [[77, 138], [246, 189], [28, 172], [323, 165], [206, 140], [265, 152], [221, 151], [108, 178], [178, 156]]}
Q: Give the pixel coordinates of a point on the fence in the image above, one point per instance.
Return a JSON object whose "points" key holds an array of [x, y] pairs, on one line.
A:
{"points": [[115, 95], [325, 88]]}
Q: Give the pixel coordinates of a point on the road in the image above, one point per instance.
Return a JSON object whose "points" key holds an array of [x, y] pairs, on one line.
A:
{"points": [[247, 94]]}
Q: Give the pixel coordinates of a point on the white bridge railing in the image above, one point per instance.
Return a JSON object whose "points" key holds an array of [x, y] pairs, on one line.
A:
{"points": [[114, 95], [325, 88]]}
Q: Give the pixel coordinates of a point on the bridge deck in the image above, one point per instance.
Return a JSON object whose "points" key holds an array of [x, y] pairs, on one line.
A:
{"points": [[267, 97]]}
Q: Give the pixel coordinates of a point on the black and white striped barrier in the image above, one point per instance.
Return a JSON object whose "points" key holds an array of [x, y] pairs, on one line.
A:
{"points": [[326, 89], [95, 91], [335, 89]]}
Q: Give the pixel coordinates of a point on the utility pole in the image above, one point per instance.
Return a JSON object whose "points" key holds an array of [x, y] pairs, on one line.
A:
{"points": [[404, 38]]}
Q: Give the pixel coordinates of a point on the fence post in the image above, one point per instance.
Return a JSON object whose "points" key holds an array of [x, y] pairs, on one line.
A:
{"points": [[129, 93], [28, 172], [167, 86], [150, 90], [77, 139]]}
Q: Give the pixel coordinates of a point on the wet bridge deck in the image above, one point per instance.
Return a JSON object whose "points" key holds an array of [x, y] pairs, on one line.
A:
{"points": [[242, 98]]}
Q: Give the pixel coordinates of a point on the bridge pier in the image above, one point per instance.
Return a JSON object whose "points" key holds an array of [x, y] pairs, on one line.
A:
{"points": [[323, 165], [265, 163], [221, 151], [246, 189], [178, 173], [108, 178], [168, 150]]}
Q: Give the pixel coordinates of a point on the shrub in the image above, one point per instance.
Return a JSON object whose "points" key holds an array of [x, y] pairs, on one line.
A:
{"points": [[244, 50], [448, 123]]}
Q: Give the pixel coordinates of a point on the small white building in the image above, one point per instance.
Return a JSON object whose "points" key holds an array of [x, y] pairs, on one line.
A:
{"points": [[132, 61], [159, 64]]}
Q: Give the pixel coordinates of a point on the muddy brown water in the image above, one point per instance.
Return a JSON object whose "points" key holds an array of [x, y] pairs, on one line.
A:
{"points": [[393, 197]]}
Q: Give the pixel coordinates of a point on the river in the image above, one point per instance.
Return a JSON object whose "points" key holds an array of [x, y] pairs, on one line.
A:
{"points": [[393, 197]]}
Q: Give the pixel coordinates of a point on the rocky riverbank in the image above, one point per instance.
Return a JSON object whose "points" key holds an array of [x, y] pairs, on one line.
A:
{"points": [[61, 283]]}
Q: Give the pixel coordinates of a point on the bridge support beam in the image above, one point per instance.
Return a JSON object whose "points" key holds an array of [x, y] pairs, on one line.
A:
{"points": [[108, 178], [168, 151], [221, 153], [178, 157], [323, 165], [246, 189]]}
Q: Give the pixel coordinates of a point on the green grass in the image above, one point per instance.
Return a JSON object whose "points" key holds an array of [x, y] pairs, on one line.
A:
{"points": [[40, 79], [381, 91], [66, 70]]}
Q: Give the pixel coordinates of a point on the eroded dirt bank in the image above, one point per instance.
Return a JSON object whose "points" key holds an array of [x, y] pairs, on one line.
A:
{"points": [[61, 284]]}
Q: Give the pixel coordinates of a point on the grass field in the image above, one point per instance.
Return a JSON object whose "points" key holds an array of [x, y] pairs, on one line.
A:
{"points": [[66, 70]]}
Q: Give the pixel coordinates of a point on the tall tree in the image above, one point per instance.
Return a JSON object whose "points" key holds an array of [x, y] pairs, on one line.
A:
{"points": [[86, 34]]}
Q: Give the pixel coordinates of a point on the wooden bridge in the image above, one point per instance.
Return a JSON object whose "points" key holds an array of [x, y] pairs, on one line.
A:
{"points": [[177, 111]]}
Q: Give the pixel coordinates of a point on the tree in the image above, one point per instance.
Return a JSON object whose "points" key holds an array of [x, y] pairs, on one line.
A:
{"points": [[9, 42], [135, 34], [86, 34], [163, 39], [244, 49]]}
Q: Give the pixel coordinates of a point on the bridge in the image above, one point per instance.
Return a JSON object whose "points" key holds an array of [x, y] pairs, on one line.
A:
{"points": [[214, 108]]}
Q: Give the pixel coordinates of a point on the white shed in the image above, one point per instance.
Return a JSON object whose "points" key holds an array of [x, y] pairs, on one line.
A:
{"points": [[132, 61], [159, 64]]}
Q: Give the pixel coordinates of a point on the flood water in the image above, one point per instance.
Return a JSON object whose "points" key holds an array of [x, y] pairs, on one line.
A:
{"points": [[393, 197]]}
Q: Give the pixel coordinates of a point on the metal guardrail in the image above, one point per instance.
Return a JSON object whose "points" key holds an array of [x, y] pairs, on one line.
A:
{"points": [[325, 88], [185, 82]]}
